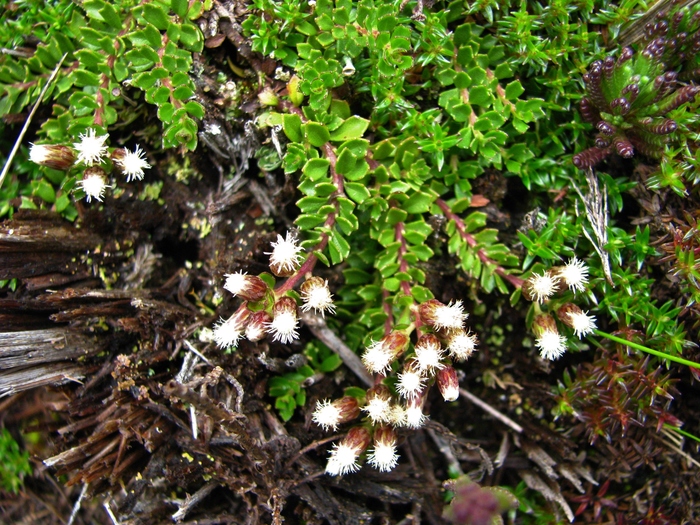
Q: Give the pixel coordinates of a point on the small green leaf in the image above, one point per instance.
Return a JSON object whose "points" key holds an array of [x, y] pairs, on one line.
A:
{"points": [[419, 202], [180, 7], [317, 134], [109, 15], [514, 90], [156, 16], [291, 123], [195, 109], [352, 128], [316, 169], [357, 192]]}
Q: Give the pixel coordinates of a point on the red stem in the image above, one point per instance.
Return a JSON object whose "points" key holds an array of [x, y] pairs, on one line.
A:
{"points": [[471, 241]]}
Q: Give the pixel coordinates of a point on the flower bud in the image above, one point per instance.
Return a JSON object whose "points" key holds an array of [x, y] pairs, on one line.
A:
{"points": [[228, 333], [285, 257], [247, 287], [378, 406], [448, 384], [284, 321], [94, 183], [384, 456], [441, 316], [381, 354], [52, 156], [573, 317], [329, 415], [540, 287], [257, 326], [316, 294], [344, 456], [550, 343]]}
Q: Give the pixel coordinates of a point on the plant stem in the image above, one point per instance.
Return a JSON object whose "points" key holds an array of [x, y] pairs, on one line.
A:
{"points": [[647, 350]]}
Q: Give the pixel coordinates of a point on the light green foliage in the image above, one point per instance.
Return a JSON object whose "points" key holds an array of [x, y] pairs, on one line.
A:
{"points": [[14, 465], [112, 50]]}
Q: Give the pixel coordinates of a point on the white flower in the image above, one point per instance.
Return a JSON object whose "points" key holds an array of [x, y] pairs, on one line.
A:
{"points": [[343, 460], [414, 416], [285, 257], [542, 287], [551, 345], [379, 410], [384, 456], [575, 275], [377, 358], [316, 294], [428, 355], [91, 148], [284, 327], [133, 164], [449, 316], [461, 344], [228, 333], [398, 416], [582, 323], [38, 153], [409, 384], [94, 185], [236, 282], [326, 415]]}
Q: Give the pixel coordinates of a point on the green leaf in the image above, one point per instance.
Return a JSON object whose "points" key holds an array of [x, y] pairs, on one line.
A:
{"points": [[180, 7], [165, 112], [195, 109], [514, 90], [316, 169], [317, 134], [291, 123], [419, 202], [148, 36], [156, 16], [357, 192], [352, 128]]}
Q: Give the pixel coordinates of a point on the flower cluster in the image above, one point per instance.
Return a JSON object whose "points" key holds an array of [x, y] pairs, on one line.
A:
{"points": [[264, 311], [387, 410], [540, 289], [92, 152]]}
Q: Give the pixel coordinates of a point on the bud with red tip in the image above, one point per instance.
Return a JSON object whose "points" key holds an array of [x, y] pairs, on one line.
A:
{"points": [[331, 414], [257, 326], [448, 384], [285, 321], [381, 354], [247, 287], [384, 456], [344, 456], [52, 156]]}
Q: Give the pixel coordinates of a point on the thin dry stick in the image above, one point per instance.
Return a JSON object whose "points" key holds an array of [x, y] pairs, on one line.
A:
{"points": [[488, 408], [76, 506], [320, 329], [12, 154]]}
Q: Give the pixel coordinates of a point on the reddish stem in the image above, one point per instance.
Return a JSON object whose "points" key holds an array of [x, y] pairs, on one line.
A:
{"points": [[471, 241]]}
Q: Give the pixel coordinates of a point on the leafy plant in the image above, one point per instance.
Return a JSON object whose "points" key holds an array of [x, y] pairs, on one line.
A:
{"points": [[15, 463]]}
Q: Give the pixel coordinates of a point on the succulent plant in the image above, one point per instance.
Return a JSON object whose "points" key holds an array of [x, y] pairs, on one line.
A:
{"points": [[630, 98]]}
